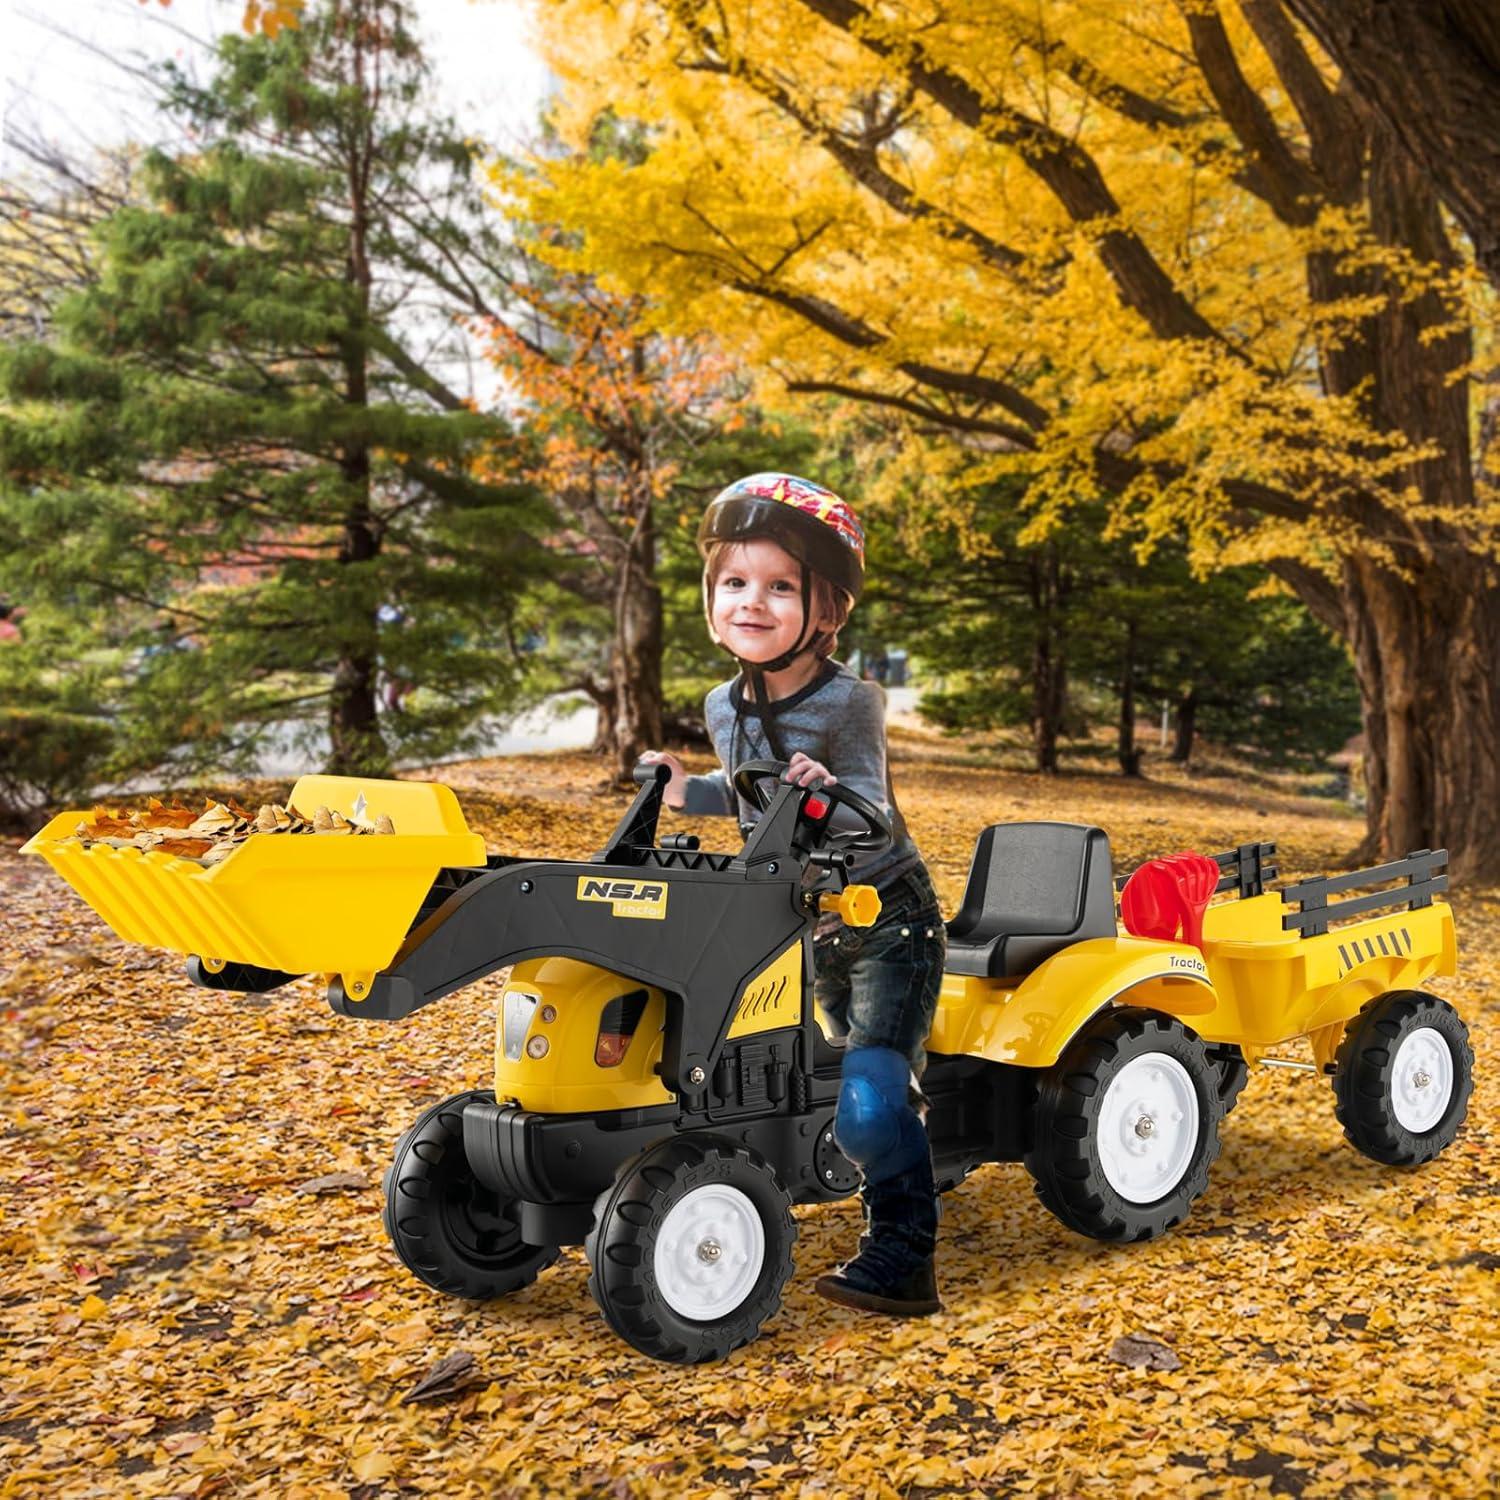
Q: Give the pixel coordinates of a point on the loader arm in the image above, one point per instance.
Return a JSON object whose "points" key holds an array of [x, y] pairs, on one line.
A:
{"points": [[698, 933]]}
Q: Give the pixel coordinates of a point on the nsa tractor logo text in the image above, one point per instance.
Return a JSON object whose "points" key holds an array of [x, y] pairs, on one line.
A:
{"points": [[627, 898]]}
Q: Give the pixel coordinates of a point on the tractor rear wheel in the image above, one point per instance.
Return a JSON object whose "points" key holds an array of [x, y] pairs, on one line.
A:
{"points": [[1403, 1075], [691, 1246], [1126, 1126], [447, 1227]]}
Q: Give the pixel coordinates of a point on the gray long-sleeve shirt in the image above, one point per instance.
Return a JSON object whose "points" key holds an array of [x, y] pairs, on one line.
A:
{"points": [[836, 719]]}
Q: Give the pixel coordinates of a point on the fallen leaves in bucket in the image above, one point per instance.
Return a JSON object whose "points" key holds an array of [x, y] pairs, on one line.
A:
{"points": [[213, 834]]}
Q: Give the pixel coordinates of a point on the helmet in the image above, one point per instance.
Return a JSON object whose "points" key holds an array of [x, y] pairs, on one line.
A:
{"points": [[811, 523]]}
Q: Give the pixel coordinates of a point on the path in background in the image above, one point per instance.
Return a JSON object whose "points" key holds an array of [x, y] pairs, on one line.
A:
{"points": [[551, 727], [560, 723]]}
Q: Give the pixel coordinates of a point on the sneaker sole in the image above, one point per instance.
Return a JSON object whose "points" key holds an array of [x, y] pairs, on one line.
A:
{"points": [[847, 1296]]}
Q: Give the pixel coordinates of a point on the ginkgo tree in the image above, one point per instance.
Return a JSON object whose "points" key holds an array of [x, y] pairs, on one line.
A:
{"points": [[1156, 253]]}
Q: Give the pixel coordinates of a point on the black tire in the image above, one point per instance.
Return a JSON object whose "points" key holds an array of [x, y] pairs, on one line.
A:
{"points": [[629, 1219], [1229, 1063], [1066, 1158], [1372, 1093], [447, 1228]]}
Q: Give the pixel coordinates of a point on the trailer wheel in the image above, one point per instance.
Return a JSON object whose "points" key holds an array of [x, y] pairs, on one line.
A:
{"points": [[446, 1226], [691, 1246], [1229, 1064], [1126, 1126], [1403, 1075]]}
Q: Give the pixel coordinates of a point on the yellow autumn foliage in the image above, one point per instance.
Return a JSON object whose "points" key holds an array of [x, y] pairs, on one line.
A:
{"points": [[1055, 251]]}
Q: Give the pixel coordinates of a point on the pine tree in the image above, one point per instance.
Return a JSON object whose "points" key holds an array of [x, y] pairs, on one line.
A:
{"points": [[241, 442]]}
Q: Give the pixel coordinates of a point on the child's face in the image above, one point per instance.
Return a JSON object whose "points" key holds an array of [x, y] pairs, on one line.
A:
{"points": [[757, 601]]}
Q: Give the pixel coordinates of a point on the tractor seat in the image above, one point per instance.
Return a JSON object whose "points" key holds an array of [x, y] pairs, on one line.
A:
{"points": [[1034, 889]]}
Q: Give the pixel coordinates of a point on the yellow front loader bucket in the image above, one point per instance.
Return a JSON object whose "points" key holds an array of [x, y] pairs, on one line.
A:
{"points": [[302, 903]]}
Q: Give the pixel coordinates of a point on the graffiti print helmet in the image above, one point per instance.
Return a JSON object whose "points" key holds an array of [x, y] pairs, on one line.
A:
{"points": [[811, 523]]}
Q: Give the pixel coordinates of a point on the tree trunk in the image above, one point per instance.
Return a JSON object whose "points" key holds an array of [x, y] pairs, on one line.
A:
{"points": [[1050, 679], [1429, 71], [1130, 757], [603, 699], [356, 747], [1425, 653], [1187, 713], [636, 661], [1425, 638], [1049, 670]]}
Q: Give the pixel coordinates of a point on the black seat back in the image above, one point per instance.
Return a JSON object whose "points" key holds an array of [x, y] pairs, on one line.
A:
{"points": [[1034, 889]]}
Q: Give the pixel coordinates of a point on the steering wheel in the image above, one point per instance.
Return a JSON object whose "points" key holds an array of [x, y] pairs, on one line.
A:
{"points": [[757, 782]]}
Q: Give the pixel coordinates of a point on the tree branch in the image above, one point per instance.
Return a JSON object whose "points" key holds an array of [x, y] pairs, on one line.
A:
{"points": [[859, 335], [1429, 71], [1291, 190], [1018, 437], [1333, 129], [1062, 165], [419, 377], [859, 159], [1318, 593]]}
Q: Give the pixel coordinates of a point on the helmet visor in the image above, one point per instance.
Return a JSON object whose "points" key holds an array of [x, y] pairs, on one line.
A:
{"points": [[748, 517], [742, 518]]}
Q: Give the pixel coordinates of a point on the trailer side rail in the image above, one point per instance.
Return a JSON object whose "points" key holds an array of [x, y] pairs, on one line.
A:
{"points": [[1245, 869], [1419, 869]]}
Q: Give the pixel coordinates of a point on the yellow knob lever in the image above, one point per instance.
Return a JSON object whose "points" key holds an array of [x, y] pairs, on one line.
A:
{"points": [[858, 905]]}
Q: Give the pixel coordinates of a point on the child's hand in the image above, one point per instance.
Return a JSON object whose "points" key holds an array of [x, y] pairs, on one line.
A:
{"points": [[803, 769], [676, 789]]}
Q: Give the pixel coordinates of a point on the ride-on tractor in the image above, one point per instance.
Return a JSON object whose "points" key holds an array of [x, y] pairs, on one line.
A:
{"points": [[664, 1090]]}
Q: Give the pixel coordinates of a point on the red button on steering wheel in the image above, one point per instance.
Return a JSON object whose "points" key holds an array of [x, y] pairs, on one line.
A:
{"points": [[758, 781]]}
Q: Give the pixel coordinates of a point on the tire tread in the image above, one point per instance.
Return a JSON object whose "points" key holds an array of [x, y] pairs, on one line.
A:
{"points": [[1361, 1081], [1067, 1182]]}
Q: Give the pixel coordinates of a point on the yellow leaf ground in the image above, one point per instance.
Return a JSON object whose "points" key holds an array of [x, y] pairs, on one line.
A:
{"points": [[179, 1320]]}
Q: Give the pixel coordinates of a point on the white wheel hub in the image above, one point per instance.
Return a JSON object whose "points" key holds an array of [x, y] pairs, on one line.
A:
{"points": [[709, 1252], [1421, 1079], [1148, 1127]]}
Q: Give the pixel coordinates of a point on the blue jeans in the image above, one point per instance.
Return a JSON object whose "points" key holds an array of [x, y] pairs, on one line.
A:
{"points": [[878, 986]]}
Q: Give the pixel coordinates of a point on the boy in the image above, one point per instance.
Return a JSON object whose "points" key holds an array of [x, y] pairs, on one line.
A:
{"points": [[783, 567]]}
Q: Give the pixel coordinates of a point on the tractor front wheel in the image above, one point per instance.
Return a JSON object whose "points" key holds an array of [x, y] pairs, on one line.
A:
{"points": [[1402, 1076], [691, 1246], [1126, 1126], [447, 1227]]}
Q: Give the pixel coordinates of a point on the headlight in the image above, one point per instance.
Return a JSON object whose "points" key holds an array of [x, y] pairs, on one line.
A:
{"points": [[516, 1021]]}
